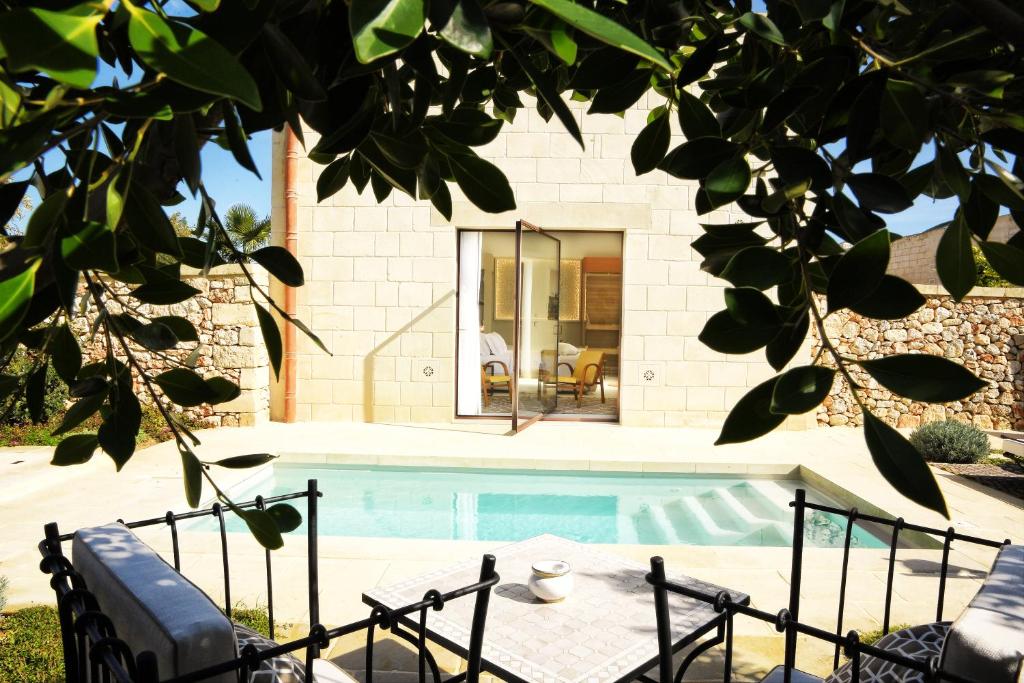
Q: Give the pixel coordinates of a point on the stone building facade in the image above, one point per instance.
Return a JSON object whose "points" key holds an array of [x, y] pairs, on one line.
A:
{"points": [[913, 257], [381, 280]]}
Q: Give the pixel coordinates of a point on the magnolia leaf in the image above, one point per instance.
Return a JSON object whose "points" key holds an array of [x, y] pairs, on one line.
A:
{"points": [[237, 462], [184, 387], [468, 30], [61, 43], [75, 450], [921, 377], [604, 29], [751, 417], [859, 271], [263, 527], [15, 296], [483, 183], [189, 57], [651, 144], [280, 263], [954, 259], [902, 465], [286, 517], [383, 27], [801, 389], [271, 337]]}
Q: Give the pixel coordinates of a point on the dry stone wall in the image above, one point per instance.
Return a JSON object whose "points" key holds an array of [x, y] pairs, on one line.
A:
{"points": [[984, 333], [230, 344]]}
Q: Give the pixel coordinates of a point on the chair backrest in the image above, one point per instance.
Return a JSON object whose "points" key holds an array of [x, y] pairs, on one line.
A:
{"points": [[150, 605], [588, 366]]}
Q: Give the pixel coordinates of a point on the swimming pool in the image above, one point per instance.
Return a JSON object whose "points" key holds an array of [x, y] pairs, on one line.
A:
{"points": [[590, 507]]}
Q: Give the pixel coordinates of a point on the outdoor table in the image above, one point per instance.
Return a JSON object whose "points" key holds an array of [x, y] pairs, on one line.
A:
{"points": [[604, 632]]}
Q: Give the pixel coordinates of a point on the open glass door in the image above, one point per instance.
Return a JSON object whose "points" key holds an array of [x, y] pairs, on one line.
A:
{"points": [[534, 382]]}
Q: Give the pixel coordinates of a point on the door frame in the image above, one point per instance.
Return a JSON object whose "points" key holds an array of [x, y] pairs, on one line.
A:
{"points": [[554, 417], [517, 324]]}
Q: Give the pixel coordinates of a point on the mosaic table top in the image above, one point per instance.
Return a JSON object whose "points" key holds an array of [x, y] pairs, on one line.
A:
{"points": [[602, 632]]}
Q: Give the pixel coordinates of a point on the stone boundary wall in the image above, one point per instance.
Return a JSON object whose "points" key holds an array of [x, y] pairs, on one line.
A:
{"points": [[230, 343], [984, 333]]}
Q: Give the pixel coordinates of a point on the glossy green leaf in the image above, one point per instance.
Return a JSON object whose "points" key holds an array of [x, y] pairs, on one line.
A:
{"points": [[695, 119], [749, 322], [237, 462], [954, 259], [786, 104], [155, 336], [932, 379], [728, 181], [286, 517], [263, 527], [184, 387], [763, 27], [893, 299], [788, 342], [383, 27], [795, 164], [801, 389], [949, 168], [79, 412], [192, 472], [15, 296], [877, 192], [91, 246], [164, 293], [332, 179], [651, 145], [61, 43], [563, 44], [271, 337], [222, 390], [616, 98], [237, 140], [75, 450], [183, 330], [903, 114], [604, 29], [483, 183], [699, 63], [854, 224], [902, 465], [189, 57], [149, 223], [758, 267], [468, 30], [46, 217], [120, 428], [751, 417], [280, 263], [859, 271], [467, 126], [695, 159], [65, 354], [290, 65], [980, 212]]}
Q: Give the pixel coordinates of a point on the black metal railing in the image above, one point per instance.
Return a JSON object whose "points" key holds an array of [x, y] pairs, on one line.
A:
{"points": [[93, 652], [800, 504], [787, 620]]}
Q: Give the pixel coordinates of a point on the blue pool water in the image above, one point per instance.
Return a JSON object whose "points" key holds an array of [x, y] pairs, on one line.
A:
{"points": [[590, 507]]}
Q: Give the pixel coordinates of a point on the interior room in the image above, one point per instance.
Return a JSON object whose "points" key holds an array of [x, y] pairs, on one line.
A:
{"points": [[570, 316]]}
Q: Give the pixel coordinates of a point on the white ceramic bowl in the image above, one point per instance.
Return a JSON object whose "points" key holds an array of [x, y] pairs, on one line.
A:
{"points": [[551, 580]]}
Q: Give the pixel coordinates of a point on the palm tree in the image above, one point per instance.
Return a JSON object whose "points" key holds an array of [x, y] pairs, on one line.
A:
{"points": [[248, 232]]}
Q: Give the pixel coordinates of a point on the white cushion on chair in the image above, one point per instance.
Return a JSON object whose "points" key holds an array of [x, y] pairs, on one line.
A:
{"points": [[986, 642], [152, 606]]}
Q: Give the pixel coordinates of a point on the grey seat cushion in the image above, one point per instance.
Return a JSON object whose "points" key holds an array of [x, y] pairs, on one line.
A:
{"points": [[152, 606], [778, 675], [986, 642], [287, 668], [917, 642]]}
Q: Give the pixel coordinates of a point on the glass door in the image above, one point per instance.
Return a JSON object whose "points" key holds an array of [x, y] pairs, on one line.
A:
{"points": [[535, 374]]}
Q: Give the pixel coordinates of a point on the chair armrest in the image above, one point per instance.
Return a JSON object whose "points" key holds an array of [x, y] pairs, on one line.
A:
{"points": [[498, 362], [597, 373], [566, 365]]}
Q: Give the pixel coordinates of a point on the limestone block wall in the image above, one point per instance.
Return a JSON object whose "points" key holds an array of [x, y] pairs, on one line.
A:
{"points": [[984, 333], [230, 343], [913, 257], [381, 279]]}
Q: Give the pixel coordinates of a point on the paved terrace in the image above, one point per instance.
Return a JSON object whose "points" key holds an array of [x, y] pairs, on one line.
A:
{"points": [[834, 460]]}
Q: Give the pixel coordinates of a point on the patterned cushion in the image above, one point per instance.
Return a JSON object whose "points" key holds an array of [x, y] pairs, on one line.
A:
{"points": [[286, 668], [917, 642]]}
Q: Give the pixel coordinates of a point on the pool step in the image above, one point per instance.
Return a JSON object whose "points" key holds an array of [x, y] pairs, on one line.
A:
{"points": [[760, 524], [708, 525]]}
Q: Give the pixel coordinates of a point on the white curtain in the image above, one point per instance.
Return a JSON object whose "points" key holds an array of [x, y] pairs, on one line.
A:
{"points": [[470, 255]]}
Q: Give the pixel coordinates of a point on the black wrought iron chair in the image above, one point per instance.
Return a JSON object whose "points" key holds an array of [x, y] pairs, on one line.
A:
{"points": [[923, 665], [94, 651]]}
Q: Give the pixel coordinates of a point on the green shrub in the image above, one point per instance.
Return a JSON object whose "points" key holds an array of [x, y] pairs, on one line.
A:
{"points": [[15, 411], [950, 441], [30, 647], [255, 618]]}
